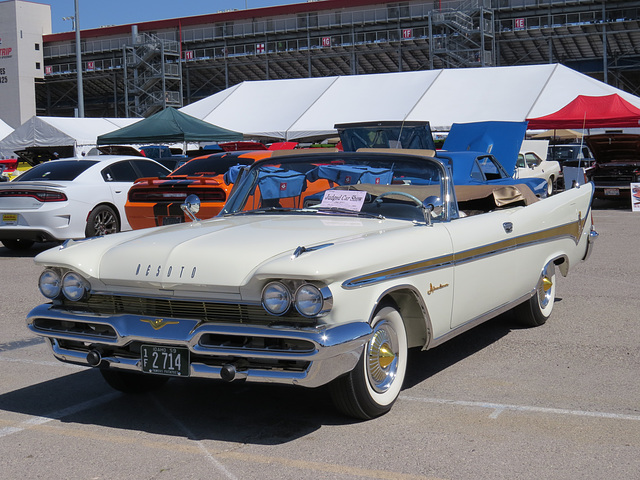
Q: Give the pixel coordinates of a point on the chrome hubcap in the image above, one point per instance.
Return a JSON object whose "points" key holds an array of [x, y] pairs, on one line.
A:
{"points": [[545, 289], [382, 358]]}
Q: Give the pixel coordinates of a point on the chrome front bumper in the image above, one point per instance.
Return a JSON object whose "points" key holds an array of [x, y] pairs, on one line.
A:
{"points": [[332, 349]]}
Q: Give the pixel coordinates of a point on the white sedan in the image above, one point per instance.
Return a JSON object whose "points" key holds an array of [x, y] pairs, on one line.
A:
{"points": [[70, 199], [322, 268]]}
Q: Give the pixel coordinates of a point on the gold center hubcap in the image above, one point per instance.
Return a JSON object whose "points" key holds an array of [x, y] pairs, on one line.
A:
{"points": [[385, 356]]}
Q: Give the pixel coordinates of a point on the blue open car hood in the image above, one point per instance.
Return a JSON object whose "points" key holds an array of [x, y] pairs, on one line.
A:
{"points": [[501, 139]]}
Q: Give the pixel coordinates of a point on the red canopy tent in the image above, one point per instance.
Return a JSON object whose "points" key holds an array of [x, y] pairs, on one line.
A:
{"points": [[591, 112]]}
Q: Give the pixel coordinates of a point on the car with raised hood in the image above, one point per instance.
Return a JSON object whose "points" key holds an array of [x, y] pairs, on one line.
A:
{"points": [[322, 268], [617, 164], [532, 163], [156, 201], [486, 153], [70, 198]]}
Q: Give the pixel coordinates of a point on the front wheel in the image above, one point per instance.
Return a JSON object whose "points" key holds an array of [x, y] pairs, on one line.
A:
{"points": [[537, 310], [102, 221], [132, 382], [373, 386]]}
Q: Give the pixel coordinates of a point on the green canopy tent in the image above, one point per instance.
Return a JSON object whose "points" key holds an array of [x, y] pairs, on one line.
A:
{"points": [[169, 126]]}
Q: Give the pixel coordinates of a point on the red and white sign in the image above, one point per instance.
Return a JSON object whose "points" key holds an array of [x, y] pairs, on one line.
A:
{"points": [[48, 70], [326, 41], [188, 54], [91, 66], [518, 23], [407, 33], [259, 48], [283, 186]]}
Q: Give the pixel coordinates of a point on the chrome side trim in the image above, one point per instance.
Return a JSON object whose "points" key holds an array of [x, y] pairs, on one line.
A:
{"points": [[570, 230]]}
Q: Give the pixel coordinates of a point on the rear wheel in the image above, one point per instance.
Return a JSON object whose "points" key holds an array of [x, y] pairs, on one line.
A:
{"points": [[373, 386], [132, 382], [18, 244], [102, 221], [536, 311], [550, 186]]}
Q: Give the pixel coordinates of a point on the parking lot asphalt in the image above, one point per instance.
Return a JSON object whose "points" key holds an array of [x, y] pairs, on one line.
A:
{"points": [[561, 401]]}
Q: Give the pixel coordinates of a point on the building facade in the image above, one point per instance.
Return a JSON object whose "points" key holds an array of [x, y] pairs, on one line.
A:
{"points": [[23, 25]]}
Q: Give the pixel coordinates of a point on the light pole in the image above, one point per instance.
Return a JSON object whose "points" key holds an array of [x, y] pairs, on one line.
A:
{"points": [[76, 26], [79, 63]]}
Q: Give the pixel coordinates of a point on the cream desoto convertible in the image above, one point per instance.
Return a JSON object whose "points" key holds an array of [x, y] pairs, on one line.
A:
{"points": [[321, 269]]}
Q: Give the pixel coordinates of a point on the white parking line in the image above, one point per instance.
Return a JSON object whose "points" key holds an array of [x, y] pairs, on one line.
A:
{"points": [[65, 412], [219, 466], [498, 408]]}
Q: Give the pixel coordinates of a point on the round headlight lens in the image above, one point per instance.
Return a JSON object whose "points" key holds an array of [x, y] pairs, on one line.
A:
{"points": [[276, 298], [308, 300], [74, 287], [49, 284]]}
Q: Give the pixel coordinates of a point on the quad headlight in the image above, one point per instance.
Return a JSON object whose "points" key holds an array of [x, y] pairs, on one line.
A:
{"points": [[276, 298], [50, 283], [309, 300], [74, 287]]}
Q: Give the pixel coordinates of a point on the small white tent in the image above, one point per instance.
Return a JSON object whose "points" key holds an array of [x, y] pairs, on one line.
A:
{"points": [[80, 133], [307, 108], [4, 129]]}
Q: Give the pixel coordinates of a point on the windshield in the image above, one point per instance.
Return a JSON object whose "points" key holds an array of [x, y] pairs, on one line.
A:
{"points": [[560, 153], [55, 170], [216, 164], [376, 184], [386, 136]]}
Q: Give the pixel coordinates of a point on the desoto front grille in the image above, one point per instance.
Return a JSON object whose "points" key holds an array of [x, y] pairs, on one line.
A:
{"points": [[171, 308]]}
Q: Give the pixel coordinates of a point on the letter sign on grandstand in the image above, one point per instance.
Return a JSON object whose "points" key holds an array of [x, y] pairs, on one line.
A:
{"points": [[260, 48], [91, 66], [188, 54], [326, 41], [407, 33], [518, 23]]}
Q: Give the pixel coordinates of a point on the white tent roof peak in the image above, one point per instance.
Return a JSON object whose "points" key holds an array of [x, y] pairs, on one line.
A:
{"points": [[58, 131], [310, 107]]}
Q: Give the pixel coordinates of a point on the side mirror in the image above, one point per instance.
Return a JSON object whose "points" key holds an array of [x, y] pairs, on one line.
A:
{"points": [[191, 206]]}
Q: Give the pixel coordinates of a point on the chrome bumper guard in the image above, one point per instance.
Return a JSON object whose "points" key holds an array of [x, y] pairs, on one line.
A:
{"points": [[335, 350]]}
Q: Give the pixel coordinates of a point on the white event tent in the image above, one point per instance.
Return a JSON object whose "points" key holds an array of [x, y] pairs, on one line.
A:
{"points": [[80, 133], [309, 108], [4, 129]]}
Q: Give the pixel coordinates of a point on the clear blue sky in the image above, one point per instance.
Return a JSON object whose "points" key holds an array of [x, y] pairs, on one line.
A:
{"points": [[96, 13]]}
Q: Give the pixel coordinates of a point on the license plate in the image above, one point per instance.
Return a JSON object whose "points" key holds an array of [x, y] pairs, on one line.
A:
{"points": [[612, 191], [172, 220], [172, 361], [9, 218]]}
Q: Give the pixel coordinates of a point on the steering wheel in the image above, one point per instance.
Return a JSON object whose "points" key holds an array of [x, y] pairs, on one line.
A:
{"points": [[402, 194]]}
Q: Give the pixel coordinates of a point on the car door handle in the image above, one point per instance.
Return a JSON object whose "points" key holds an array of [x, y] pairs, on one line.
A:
{"points": [[508, 227]]}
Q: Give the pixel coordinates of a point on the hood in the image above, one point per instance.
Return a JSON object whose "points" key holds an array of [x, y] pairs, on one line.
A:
{"points": [[614, 147], [501, 139], [220, 255]]}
